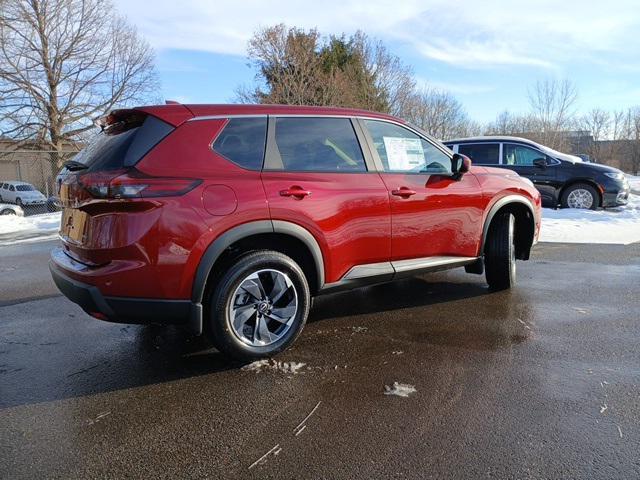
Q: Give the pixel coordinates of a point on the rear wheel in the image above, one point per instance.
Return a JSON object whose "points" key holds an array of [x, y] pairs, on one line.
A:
{"points": [[580, 195], [499, 253], [259, 306], [19, 202], [7, 211]]}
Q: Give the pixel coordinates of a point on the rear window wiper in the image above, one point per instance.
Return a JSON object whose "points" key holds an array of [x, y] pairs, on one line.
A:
{"points": [[74, 166]]}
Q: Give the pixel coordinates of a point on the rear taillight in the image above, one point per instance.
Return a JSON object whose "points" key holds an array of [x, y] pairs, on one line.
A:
{"points": [[132, 183]]}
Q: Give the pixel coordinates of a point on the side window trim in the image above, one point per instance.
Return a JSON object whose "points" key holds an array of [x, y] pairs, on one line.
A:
{"points": [[365, 145], [377, 162]]}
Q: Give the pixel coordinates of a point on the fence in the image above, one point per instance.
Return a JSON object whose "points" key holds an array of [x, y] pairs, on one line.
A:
{"points": [[37, 167]]}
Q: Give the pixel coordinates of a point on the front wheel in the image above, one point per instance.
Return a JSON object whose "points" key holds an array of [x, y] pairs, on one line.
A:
{"points": [[581, 196], [259, 306], [499, 253]]}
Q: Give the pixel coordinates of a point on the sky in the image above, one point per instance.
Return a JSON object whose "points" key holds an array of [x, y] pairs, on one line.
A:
{"points": [[486, 53]]}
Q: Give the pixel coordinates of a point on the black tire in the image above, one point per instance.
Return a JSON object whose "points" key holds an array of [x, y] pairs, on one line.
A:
{"points": [[219, 323], [585, 187], [499, 253], [19, 202], [7, 211]]}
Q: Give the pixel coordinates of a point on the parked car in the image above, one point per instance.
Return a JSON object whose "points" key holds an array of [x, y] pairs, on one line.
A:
{"points": [[10, 209], [228, 219], [563, 180], [21, 193]]}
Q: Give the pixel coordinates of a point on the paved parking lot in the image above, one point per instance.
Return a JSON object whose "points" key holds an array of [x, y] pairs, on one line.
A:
{"points": [[539, 382]]}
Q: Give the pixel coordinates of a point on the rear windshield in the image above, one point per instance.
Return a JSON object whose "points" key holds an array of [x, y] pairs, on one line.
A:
{"points": [[24, 188], [123, 144]]}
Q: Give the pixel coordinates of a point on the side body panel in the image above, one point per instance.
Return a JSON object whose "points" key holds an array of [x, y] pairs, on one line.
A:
{"points": [[443, 218], [347, 213]]}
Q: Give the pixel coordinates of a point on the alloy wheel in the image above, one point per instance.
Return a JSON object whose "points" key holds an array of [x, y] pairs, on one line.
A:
{"points": [[580, 198], [263, 307]]}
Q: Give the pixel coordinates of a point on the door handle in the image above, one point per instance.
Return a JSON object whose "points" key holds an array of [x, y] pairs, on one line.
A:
{"points": [[296, 192], [403, 192]]}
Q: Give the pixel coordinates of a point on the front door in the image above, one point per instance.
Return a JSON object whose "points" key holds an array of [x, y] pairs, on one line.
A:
{"points": [[432, 214], [520, 158], [315, 175]]}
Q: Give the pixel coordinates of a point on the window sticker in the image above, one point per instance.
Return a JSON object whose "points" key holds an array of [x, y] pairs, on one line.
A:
{"points": [[404, 153]]}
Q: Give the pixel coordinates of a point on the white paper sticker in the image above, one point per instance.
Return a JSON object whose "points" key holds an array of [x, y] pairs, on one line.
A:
{"points": [[404, 153]]}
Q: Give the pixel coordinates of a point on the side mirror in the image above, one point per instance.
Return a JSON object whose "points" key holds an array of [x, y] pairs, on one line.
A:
{"points": [[540, 162], [460, 164]]}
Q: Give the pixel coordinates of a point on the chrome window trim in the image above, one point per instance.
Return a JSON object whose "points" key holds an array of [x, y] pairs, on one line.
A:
{"points": [[415, 130]]}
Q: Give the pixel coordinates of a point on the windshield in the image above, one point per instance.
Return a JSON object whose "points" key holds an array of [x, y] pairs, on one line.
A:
{"points": [[24, 188]]}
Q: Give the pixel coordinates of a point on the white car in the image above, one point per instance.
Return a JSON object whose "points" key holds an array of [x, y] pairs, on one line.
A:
{"points": [[21, 193], [9, 209]]}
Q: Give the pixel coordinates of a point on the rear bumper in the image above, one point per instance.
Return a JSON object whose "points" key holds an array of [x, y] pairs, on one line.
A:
{"points": [[124, 309]]}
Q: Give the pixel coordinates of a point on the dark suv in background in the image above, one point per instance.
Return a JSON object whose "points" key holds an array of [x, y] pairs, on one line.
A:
{"points": [[562, 179]]}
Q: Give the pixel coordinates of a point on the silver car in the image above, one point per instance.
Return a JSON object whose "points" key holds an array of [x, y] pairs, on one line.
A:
{"points": [[21, 193]]}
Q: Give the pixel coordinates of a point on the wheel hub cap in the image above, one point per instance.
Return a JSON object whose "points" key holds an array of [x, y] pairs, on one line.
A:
{"points": [[263, 307]]}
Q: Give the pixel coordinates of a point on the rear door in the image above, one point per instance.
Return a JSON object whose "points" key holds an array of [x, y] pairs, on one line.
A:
{"points": [[520, 158], [316, 176], [432, 214]]}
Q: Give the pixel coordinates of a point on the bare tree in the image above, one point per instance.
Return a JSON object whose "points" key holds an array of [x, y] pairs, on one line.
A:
{"points": [[438, 113], [64, 63], [391, 79], [507, 123], [598, 123], [289, 67], [632, 134], [552, 104]]}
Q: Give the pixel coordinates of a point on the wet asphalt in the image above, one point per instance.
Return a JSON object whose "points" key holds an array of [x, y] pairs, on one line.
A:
{"points": [[539, 382]]}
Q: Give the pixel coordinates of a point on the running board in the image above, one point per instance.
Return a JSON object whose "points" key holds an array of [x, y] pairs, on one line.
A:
{"points": [[372, 273]]}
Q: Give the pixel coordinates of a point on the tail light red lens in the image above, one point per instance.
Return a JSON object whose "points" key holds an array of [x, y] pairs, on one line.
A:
{"points": [[134, 184]]}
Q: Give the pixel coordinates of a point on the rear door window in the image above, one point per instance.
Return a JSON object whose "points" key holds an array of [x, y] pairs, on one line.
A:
{"points": [[316, 145], [481, 153], [243, 141], [124, 143]]}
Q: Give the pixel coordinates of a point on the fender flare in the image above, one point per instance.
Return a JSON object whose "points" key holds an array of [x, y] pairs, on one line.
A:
{"points": [[506, 200], [224, 241]]}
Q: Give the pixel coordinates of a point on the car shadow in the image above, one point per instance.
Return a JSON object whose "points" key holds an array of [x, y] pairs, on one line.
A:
{"points": [[407, 293], [102, 357]]}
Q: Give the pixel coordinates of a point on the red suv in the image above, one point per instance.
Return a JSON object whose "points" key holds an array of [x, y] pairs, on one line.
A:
{"points": [[229, 218]]}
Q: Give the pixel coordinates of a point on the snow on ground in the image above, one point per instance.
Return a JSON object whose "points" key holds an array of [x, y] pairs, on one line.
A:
{"points": [[635, 184], [274, 366], [614, 225], [14, 229], [399, 389]]}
